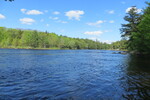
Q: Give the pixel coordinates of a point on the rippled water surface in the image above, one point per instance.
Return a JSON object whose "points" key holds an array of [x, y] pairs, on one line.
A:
{"points": [[73, 75]]}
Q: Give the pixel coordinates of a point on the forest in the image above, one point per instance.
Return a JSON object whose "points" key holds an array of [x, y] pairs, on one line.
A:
{"points": [[20, 38]]}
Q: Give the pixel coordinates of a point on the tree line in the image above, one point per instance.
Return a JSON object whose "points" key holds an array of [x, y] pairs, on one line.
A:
{"points": [[19, 38], [137, 30]]}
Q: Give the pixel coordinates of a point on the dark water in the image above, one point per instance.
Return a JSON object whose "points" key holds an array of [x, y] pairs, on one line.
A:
{"points": [[73, 75]]}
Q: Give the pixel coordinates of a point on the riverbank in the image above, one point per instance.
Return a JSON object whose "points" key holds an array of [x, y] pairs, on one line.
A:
{"points": [[54, 48], [57, 48]]}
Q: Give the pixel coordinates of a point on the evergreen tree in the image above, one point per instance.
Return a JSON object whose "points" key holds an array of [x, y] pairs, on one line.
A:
{"points": [[143, 36], [133, 18]]}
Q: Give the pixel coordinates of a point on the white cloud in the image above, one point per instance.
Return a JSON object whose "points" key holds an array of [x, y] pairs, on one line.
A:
{"points": [[27, 21], [136, 9], [31, 12], [139, 10], [56, 13], [112, 21], [111, 12], [34, 12], [93, 32], [74, 14], [96, 23], [57, 20], [2, 16], [23, 10]]}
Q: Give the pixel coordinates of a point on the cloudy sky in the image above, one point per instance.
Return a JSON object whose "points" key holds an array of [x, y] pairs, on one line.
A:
{"points": [[92, 19]]}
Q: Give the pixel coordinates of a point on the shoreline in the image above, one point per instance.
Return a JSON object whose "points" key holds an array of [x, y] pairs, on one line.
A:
{"points": [[34, 48], [115, 51], [28, 48]]}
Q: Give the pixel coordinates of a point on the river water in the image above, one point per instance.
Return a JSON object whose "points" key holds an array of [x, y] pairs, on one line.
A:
{"points": [[73, 75]]}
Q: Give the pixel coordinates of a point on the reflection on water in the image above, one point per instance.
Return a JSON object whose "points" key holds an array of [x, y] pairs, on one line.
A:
{"points": [[73, 75], [138, 78]]}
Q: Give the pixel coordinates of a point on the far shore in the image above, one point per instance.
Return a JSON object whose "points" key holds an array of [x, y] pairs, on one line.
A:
{"points": [[116, 51], [28, 48], [55, 48]]}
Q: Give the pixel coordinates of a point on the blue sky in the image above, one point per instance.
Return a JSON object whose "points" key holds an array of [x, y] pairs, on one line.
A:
{"points": [[92, 19]]}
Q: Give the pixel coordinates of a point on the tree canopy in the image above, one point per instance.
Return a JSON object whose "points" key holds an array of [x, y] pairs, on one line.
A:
{"points": [[137, 30], [19, 38]]}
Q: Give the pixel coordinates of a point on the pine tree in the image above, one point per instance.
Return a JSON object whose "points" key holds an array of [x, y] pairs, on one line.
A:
{"points": [[143, 36], [133, 18]]}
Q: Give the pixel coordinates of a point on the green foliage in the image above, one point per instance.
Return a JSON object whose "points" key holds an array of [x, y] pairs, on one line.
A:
{"points": [[137, 30], [120, 45], [13, 38], [133, 18], [143, 35]]}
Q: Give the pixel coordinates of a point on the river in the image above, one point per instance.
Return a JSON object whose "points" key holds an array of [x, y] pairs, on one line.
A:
{"points": [[73, 75]]}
